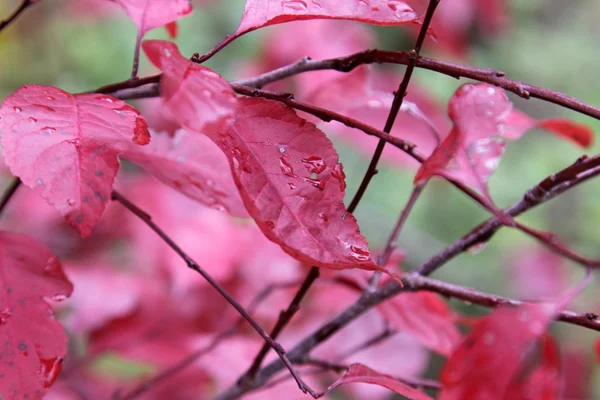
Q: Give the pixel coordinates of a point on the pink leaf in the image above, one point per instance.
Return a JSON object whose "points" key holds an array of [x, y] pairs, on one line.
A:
{"points": [[195, 94], [487, 361], [426, 317], [150, 14], [194, 165], [261, 13], [68, 144], [358, 373], [518, 123], [482, 113], [33, 343], [292, 184]]}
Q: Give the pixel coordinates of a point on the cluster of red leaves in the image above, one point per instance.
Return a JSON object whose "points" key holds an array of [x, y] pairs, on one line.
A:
{"points": [[241, 157]]}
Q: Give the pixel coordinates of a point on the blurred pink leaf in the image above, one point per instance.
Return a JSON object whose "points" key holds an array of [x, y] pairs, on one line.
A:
{"points": [[191, 163], [150, 14]]}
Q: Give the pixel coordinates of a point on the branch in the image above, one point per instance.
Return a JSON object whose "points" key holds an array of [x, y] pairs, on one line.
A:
{"points": [[25, 4], [581, 171], [492, 76], [8, 193], [194, 266], [396, 104], [284, 318]]}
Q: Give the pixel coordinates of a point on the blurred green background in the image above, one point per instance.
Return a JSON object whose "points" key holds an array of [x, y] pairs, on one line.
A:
{"points": [[550, 43]]}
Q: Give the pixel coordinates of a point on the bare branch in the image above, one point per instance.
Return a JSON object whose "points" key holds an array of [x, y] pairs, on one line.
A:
{"points": [[25, 4], [194, 266]]}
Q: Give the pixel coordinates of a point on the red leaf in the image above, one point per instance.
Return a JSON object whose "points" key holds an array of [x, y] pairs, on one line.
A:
{"points": [[293, 185], [424, 316], [171, 29], [194, 165], [150, 14], [33, 343], [491, 356], [472, 151], [518, 123], [68, 144], [194, 94], [544, 383], [469, 153], [261, 13], [358, 373]]}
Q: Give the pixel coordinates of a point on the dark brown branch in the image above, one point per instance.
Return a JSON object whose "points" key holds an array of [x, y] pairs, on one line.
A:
{"points": [[25, 4], [8, 193], [396, 104], [284, 318], [194, 266], [494, 77]]}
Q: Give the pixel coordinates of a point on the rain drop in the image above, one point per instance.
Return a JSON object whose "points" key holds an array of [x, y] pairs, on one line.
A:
{"points": [[316, 183], [291, 185], [33, 120], [338, 173], [17, 109], [491, 91], [5, 315], [286, 168], [71, 202], [323, 216], [314, 164], [50, 369], [47, 130], [358, 254]]}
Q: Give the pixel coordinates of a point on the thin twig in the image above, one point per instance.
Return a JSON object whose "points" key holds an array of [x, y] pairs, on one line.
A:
{"points": [[194, 266], [284, 318], [396, 104], [25, 4], [8, 193], [136, 56], [393, 238]]}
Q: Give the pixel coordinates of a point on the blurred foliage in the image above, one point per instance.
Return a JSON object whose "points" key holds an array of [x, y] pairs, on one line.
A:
{"points": [[550, 43]]}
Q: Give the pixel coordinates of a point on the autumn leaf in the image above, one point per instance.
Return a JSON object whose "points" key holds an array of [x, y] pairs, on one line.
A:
{"points": [[293, 185], [488, 360], [261, 13], [424, 316], [194, 95], [358, 373], [68, 144], [150, 14], [482, 116], [518, 123], [33, 343], [194, 165]]}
